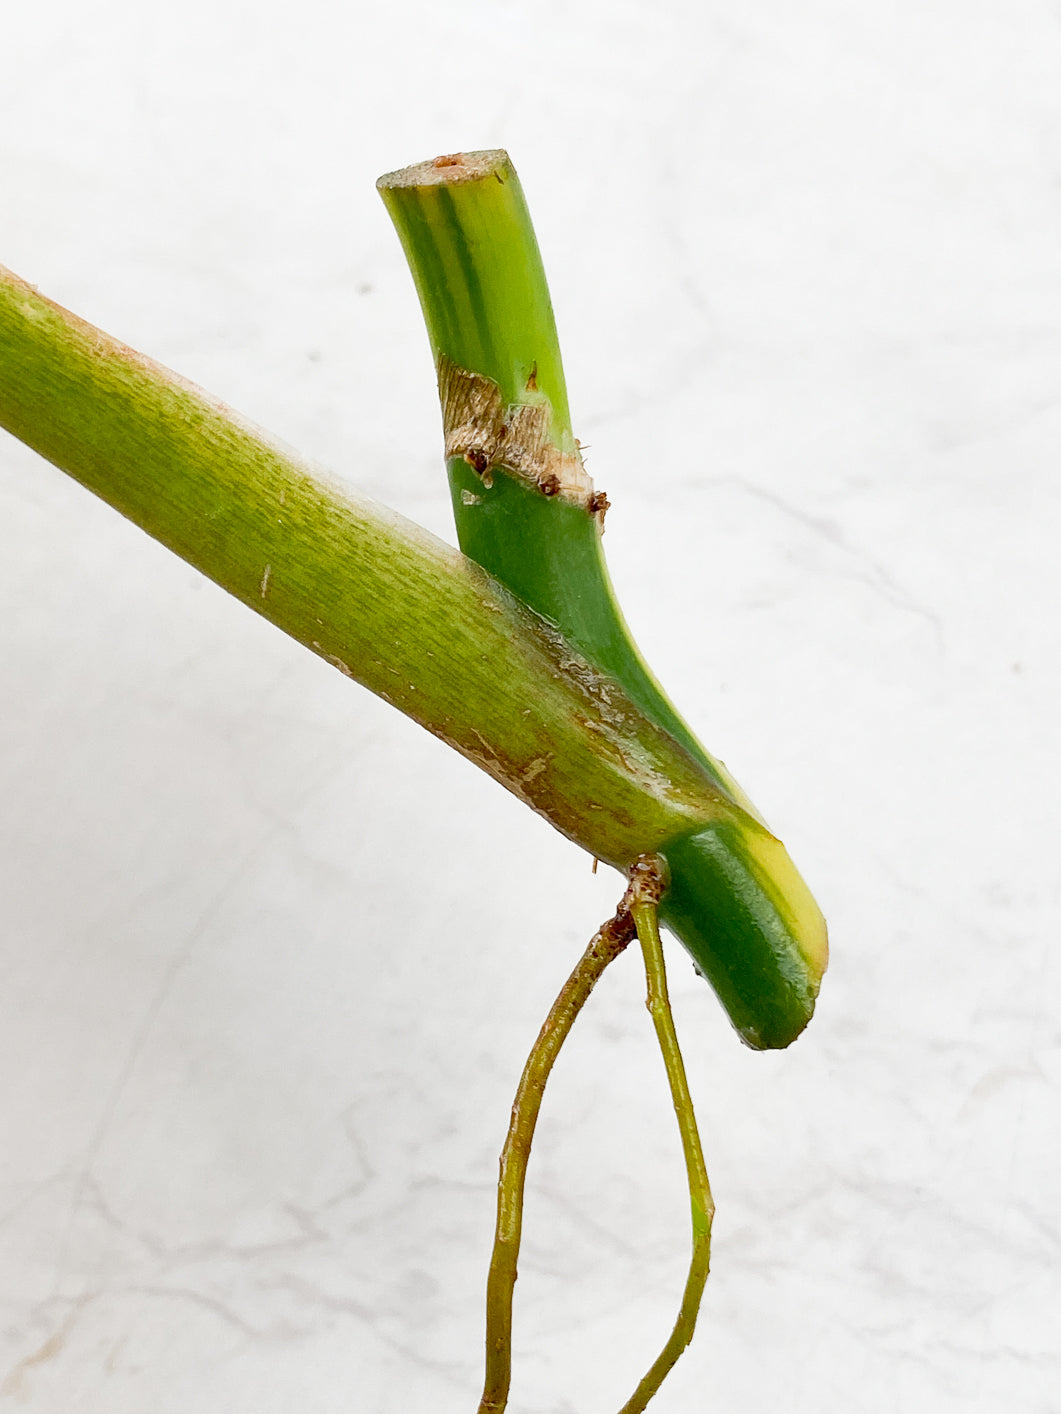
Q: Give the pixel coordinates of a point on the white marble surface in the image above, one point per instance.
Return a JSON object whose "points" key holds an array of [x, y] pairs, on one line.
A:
{"points": [[272, 956]]}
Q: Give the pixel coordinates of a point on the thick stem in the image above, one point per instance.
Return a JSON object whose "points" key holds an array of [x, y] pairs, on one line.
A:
{"points": [[376, 596]]}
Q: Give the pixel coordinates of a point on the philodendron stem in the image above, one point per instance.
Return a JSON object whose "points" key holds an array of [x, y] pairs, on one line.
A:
{"points": [[644, 911], [635, 916], [371, 593], [526, 510]]}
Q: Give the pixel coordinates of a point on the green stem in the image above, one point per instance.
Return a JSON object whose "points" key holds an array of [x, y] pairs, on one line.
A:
{"points": [[526, 511], [606, 945], [468, 237], [372, 594], [644, 911]]}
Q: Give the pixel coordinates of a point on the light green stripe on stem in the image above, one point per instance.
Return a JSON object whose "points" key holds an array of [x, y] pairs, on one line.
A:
{"points": [[467, 235], [373, 594]]}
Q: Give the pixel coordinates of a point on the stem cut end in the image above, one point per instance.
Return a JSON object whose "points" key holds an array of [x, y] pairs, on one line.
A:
{"points": [[450, 170]]}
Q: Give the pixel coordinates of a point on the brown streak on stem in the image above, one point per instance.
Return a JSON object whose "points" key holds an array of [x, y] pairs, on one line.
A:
{"points": [[479, 428]]}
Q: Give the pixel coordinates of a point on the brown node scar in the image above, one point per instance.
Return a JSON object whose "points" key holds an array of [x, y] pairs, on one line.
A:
{"points": [[598, 505], [479, 428]]}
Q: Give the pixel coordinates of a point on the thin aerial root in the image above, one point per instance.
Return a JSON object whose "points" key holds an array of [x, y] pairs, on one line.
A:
{"points": [[605, 946], [644, 910], [635, 917]]}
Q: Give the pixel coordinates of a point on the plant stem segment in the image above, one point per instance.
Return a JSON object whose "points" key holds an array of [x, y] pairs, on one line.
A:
{"points": [[644, 911], [371, 593], [466, 230], [527, 512]]}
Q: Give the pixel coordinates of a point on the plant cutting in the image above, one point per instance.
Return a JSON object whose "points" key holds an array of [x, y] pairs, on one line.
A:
{"points": [[514, 651]]}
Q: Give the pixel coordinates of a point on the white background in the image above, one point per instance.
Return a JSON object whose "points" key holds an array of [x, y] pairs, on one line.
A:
{"points": [[271, 956]]}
